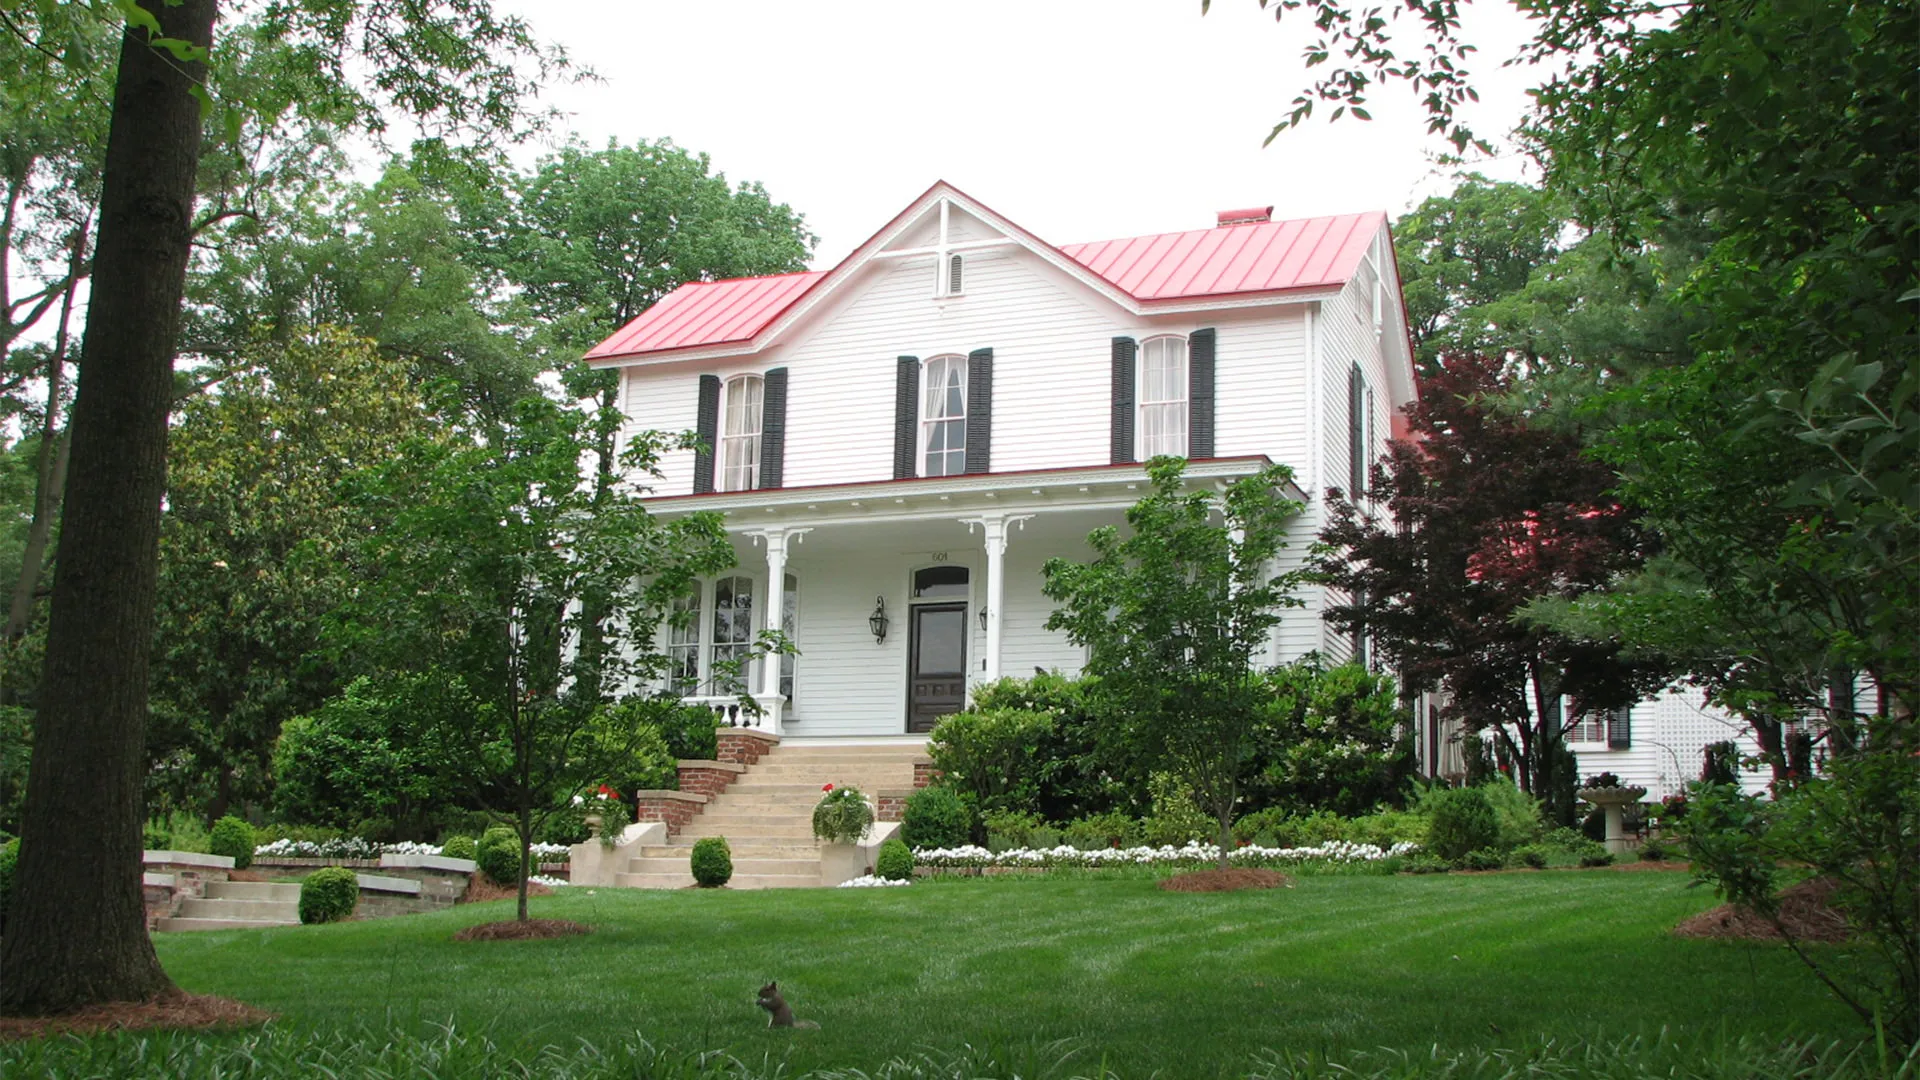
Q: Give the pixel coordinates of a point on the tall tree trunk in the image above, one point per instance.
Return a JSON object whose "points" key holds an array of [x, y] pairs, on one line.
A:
{"points": [[50, 471], [76, 930]]}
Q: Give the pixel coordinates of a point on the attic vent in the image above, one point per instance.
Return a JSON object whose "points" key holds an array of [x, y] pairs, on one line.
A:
{"points": [[953, 275], [1253, 215]]}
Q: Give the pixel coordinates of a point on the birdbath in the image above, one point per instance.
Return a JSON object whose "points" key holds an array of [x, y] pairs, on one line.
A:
{"points": [[1613, 801]]}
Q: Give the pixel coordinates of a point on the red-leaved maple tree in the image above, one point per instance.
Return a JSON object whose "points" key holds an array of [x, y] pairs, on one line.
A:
{"points": [[1474, 515]]}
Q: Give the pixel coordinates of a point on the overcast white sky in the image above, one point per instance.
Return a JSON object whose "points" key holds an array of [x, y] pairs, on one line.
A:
{"points": [[1079, 119]]}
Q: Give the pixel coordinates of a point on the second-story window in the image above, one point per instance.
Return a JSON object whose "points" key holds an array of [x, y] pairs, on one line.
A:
{"points": [[740, 442], [1163, 397], [943, 416]]}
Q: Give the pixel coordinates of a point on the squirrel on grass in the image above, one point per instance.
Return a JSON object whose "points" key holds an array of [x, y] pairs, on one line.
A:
{"points": [[779, 1013]]}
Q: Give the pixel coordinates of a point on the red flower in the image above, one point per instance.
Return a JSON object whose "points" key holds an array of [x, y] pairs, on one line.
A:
{"points": [[826, 787], [605, 790]]}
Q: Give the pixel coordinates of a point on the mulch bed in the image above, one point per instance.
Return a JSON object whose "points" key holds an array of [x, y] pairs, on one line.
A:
{"points": [[515, 930], [173, 1010], [481, 888], [1806, 909], [1229, 880]]}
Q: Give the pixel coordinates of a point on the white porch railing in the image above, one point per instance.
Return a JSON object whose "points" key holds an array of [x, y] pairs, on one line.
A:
{"points": [[732, 710]]}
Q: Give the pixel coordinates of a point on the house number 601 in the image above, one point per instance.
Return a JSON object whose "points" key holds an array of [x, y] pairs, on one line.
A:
{"points": [[936, 556]]}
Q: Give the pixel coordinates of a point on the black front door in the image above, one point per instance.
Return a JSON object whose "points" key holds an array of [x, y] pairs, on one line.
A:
{"points": [[936, 664]]}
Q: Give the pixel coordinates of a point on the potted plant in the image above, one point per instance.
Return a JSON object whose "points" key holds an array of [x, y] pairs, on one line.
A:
{"points": [[841, 821]]}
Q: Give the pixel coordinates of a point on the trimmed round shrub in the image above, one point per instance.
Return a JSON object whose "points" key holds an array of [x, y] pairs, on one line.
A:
{"points": [[1655, 851], [1532, 856], [1594, 853], [234, 838], [457, 847], [895, 862], [329, 895], [842, 816], [712, 862], [936, 818], [498, 854], [9, 858], [1463, 822]]}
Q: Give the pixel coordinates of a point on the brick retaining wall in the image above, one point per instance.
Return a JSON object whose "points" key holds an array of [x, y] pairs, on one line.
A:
{"points": [[674, 808], [744, 746], [709, 778]]}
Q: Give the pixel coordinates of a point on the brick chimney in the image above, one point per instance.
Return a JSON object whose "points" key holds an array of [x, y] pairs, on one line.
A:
{"points": [[1253, 215]]}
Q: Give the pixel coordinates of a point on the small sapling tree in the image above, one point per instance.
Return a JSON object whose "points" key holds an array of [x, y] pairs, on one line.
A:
{"points": [[1175, 612], [499, 561]]}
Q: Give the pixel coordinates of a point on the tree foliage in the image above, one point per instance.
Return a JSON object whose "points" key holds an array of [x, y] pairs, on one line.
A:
{"points": [[1331, 739], [496, 562], [1483, 513], [1175, 613]]}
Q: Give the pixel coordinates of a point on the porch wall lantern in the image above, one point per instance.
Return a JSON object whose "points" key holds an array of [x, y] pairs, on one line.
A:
{"points": [[877, 622], [983, 616]]}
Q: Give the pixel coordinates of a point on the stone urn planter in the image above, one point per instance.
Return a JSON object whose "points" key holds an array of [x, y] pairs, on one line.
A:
{"points": [[1613, 802]]}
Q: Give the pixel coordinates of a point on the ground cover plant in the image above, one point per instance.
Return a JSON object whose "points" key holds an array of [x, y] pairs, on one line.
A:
{"points": [[1184, 984]]}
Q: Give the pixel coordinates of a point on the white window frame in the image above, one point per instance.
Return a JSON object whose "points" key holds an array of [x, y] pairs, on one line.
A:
{"points": [[1180, 406], [924, 435], [749, 441], [700, 638]]}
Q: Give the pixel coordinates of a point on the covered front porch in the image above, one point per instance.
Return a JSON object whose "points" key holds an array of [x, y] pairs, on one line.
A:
{"points": [[900, 596]]}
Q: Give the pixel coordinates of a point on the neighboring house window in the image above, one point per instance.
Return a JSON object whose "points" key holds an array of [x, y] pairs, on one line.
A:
{"points": [[1590, 728], [740, 441], [1163, 397], [943, 416], [732, 637], [1611, 727], [790, 626]]}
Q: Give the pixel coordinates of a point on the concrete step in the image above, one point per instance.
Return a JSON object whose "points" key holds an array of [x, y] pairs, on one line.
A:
{"points": [[279, 911], [759, 831], [849, 773], [749, 785], [286, 892], [738, 851], [816, 752], [173, 924], [667, 864]]}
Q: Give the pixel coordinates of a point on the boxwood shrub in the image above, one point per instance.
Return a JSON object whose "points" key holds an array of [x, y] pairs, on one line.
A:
{"points": [[895, 862], [458, 847], [498, 854], [936, 818], [1462, 822], [234, 838], [712, 862], [329, 894]]}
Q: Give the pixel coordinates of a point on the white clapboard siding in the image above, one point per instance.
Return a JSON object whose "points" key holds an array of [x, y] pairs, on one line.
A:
{"points": [[1260, 388]]}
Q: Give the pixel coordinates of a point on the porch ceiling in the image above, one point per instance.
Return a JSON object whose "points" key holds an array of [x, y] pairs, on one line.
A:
{"points": [[945, 499]]}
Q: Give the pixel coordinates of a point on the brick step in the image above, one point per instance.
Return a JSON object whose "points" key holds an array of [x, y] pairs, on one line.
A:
{"points": [[254, 890], [271, 911], [173, 924]]}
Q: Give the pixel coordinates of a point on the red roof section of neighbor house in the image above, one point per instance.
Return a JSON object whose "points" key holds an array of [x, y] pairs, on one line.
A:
{"points": [[1253, 258]]}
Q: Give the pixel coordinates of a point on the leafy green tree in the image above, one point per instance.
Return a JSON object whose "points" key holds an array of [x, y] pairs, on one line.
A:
{"points": [[1174, 613], [369, 754], [477, 581], [256, 545], [77, 928]]}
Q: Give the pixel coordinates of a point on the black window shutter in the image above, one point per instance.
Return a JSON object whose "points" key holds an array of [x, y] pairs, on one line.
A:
{"points": [[1125, 352], [906, 416], [1620, 729], [707, 427], [1200, 395], [980, 411], [1356, 434], [773, 428]]}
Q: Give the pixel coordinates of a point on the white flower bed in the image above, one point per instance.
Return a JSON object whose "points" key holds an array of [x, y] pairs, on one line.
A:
{"points": [[549, 882], [1340, 851], [871, 881], [353, 847]]}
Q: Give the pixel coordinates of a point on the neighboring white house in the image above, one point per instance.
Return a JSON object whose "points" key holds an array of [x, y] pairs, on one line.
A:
{"points": [[903, 440]]}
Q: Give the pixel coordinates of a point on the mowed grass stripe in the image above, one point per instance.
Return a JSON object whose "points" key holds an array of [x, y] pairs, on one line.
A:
{"points": [[1191, 985]]}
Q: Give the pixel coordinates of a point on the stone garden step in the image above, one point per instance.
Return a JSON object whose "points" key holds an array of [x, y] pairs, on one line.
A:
{"points": [[270, 911], [288, 892]]}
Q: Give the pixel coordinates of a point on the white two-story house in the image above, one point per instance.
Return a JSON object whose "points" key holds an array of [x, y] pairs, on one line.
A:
{"points": [[900, 442]]}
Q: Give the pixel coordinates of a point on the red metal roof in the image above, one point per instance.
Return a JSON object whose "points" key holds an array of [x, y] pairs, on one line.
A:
{"points": [[708, 313], [1264, 257]]}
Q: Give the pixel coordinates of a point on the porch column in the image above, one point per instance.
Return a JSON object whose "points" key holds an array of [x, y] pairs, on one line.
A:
{"points": [[994, 527], [776, 541]]}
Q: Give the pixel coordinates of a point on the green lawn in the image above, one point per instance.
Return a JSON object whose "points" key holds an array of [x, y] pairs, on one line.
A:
{"points": [[1189, 985]]}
